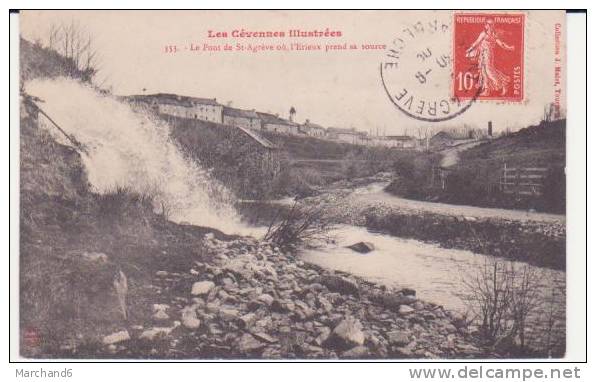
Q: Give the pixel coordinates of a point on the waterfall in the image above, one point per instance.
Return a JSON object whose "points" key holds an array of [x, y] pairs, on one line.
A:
{"points": [[133, 150]]}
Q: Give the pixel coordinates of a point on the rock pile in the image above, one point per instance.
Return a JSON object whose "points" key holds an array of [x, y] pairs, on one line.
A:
{"points": [[252, 301]]}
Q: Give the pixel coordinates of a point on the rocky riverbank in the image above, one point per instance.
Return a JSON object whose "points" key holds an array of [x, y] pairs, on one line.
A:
{"points": [[252, 301]]}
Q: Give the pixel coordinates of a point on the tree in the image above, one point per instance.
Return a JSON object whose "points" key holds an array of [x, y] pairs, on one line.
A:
{"points": [[292, 113], [75, 44]]}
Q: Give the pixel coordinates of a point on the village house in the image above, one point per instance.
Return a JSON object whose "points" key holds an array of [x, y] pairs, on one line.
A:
{"points": [[271, 122], [312, 129], [446, 139], [346, 135], [206, 109], [377, 141], [401, 141], [247, 119]]}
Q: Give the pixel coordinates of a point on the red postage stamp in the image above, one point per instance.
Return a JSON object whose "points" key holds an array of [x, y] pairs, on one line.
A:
{"points": [[488, 56]]}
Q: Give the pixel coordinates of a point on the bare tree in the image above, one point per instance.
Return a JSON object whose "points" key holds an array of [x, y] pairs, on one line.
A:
{"points": [[547, 115], [525, 297], [75, 43], [489, 297], [502, 295]]}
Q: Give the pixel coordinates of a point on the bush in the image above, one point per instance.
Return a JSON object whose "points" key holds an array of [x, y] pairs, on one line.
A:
{"points": [[301, 225], [413, 176], [296, 182]]}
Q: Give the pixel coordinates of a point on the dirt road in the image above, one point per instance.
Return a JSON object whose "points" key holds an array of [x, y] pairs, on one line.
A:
{"points": [[374, 193], [451, 154]]}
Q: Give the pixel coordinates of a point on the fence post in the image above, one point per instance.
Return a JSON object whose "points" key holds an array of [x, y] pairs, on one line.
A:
{"points": [[518, 181], [502, 184]]}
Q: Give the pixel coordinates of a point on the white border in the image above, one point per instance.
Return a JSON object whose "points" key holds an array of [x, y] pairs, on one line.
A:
{"points": [[576, 170]]}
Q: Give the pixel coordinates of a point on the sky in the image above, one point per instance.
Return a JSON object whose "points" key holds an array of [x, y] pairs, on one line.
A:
{"points": [[340, 88]]}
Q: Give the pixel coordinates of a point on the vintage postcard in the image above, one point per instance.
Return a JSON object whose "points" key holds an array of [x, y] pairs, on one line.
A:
{"points": [[292, 185]]}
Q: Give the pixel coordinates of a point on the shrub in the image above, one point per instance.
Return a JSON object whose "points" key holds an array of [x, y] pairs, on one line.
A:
{"points": [[301, 225], [413, 175], [503, 296]]}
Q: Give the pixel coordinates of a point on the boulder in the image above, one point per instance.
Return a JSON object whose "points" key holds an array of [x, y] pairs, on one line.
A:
{"points": [[393, 301], [362, 247], [264, 337], [347, 334], [398, 338], [248, 320], [115, 338], [201, 288], [189, 318], [325, 304], [356, 352], [249, 344], [96, 287], [95, 257], [323, 336], [158, 332], [228, 314], [160, 315], [405, 310], [266, 299], [303, 311], [340, 284], [159, 312]]}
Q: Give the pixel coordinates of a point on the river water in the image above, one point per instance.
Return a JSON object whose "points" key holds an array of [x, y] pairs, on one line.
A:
{"points": [[437, 274]]}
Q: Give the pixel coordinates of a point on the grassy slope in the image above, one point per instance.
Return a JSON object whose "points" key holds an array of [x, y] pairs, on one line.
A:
{"points": [[37, 61], [299, 147], [542, 145]]}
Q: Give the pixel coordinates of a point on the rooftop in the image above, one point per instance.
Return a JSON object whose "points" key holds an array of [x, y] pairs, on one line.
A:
{"points": [[275, 119], [310, 125], [341, 130], [400, 137], [233, 112], [174, 99]]}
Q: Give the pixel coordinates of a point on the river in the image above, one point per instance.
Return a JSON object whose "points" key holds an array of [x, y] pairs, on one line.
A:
{"points": [[437, 274]]}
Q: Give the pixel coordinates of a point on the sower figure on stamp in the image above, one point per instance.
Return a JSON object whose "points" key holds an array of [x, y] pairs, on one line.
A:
{"points": [[490, 78]]}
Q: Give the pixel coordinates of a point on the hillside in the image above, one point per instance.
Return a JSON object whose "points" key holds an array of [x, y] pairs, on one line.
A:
{"points": [[303, 147], [540, 145], [39, 62], [475, 179]]}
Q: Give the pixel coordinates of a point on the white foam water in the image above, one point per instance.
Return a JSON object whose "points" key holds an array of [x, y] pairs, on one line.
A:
{"points": [[132, 150]]}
